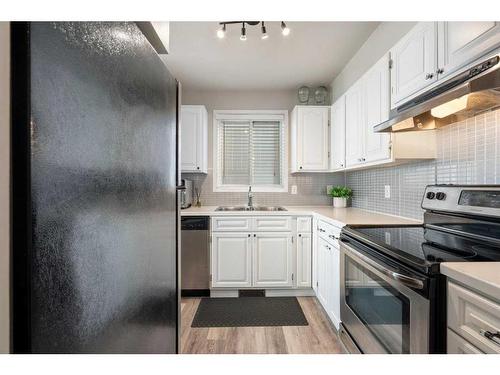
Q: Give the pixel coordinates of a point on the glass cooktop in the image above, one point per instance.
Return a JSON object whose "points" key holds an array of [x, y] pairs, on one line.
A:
{"points": [[424, 248]]}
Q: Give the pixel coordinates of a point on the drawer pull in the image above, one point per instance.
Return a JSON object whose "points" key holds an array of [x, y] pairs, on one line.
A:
{"points": [[495, 337], [321, 230], [333, 237]]}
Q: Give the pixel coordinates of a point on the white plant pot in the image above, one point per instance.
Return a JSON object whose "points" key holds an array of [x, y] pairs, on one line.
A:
{"points": [[339, 202]]}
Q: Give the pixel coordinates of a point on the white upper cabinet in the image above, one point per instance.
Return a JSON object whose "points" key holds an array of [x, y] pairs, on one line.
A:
{"points": [[194, 139], [414, 60], [337, 135], [376, 109], [309, 131], [354, 125], [462, 42]]}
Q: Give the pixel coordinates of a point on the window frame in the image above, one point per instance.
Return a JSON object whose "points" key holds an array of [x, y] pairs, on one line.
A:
{"points": [[252, 115]]}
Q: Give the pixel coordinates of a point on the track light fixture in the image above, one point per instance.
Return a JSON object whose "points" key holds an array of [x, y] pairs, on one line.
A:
{"points": [[221, 32]]}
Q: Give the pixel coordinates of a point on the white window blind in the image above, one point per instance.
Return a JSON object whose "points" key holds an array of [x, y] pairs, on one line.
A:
{"points": [[250, 152]]}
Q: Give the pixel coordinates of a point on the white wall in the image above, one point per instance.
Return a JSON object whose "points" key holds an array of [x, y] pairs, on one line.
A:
{"points": [[378, 43], [4, 184]]}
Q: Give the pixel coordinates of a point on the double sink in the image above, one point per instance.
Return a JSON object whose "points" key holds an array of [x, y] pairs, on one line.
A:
{"points": [[250, 208]]}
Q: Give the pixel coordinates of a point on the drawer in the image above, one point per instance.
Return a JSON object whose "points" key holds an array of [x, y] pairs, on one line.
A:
{"points": [[304, 224], [329, 232], [231, 224], [470, 314], [272, 223], [457, 345]]}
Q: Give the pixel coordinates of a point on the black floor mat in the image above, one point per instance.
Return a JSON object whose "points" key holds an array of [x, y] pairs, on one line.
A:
{"points": [[249, 312]]}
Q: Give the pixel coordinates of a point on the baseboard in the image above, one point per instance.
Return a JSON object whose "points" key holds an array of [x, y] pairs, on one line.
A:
{"points": [[231, 293]]}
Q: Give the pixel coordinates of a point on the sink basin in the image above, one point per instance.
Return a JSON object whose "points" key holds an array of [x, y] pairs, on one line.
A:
{"points": [[248, 208]]}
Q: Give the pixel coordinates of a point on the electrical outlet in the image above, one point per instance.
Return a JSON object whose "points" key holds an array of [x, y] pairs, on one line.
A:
{"points": [[294, 189], [387, 191], [328, 188]]}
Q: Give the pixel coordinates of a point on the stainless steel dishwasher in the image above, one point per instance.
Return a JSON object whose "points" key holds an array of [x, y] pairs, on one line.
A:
{"points": [[195, 256]]}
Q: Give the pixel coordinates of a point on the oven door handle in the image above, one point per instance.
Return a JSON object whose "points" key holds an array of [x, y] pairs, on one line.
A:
{"points": [[410, 282]]}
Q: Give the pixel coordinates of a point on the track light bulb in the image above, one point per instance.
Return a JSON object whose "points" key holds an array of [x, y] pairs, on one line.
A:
{"points": [[221, 33], [264, 31], [284, 29], [243, 35]]}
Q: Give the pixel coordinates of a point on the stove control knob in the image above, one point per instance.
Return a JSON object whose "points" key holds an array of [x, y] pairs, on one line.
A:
{"points": [[430, 195], [440, 196]]}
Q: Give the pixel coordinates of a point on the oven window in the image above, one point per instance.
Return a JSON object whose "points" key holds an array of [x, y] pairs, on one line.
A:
{"points": [[384, 311]]}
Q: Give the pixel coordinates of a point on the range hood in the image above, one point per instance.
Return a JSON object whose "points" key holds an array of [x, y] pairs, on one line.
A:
{"points": [[465, 95]]}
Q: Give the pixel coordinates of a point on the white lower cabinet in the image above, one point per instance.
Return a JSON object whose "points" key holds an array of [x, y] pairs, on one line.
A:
{"points": [[269, 255], [304, 256], [231, 260], [328, 279], [272, 260]]}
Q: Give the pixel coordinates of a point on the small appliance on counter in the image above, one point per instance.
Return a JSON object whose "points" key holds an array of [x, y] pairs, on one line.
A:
{"points": [[393, 296], [187, 194]]}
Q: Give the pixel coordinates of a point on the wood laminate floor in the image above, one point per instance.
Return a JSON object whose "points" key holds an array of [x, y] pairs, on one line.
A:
{"points": [[319, 337]]}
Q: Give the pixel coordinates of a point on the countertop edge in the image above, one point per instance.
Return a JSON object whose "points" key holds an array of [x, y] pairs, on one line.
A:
{"points": [[455, 272]]}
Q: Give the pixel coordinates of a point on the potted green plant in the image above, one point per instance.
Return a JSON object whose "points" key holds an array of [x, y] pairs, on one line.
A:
{"points": [[340, 194]]}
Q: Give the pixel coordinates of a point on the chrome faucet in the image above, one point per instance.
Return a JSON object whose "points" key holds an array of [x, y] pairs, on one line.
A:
{"points": [[250, 197]]}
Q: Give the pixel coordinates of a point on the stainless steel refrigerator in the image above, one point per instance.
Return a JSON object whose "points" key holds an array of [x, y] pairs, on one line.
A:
{"points": [[95, 208]]}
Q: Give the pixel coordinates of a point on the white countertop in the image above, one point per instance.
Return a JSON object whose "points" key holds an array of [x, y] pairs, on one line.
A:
{"points": [[342, 216], [482, 276]]}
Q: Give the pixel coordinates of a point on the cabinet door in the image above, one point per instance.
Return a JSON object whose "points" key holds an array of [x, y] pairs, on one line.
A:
{"points": [[337, 135], [463, 42], [231, 260], [322, 269], [193, 139], [376, 109], [414, 60], [334, 285], [312, 138], [354, 123], [272, 260], [304, 253]]}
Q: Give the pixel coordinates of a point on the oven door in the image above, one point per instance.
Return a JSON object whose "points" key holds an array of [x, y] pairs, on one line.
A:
{"points": [[380, 307]]}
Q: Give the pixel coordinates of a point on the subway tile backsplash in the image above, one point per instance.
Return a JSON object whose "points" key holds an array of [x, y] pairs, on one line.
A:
{"points": [[311, 191], [468, 153]]}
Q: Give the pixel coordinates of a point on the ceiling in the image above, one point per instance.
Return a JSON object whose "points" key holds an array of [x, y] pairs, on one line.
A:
{"points": [[313, 54]]}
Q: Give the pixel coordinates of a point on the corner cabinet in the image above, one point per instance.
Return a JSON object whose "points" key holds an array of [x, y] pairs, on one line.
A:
{"points": [[309, 139], [194, 139]]}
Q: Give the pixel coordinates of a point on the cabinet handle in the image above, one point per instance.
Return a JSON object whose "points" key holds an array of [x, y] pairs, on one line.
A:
{"points": [[300, 167], [255, 235], [333, 237], [429, 76], [300, 235], [198, 168], [495, 337], [321, 230], [440, 71], [248, 234]]}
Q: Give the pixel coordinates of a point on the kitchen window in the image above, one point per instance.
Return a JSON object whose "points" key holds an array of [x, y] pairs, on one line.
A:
{"points": [[250, 150]]}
